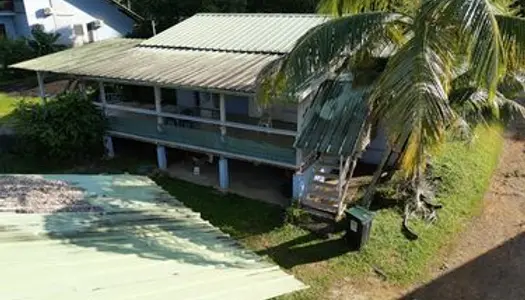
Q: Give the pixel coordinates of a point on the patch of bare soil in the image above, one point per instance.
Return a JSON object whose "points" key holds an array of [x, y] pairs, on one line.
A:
{"points": [[36, 195], [488, 260], [25, 89]]}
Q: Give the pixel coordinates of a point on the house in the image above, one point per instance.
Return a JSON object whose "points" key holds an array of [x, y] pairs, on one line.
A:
{"points": [[202, 75], [77, 21]]}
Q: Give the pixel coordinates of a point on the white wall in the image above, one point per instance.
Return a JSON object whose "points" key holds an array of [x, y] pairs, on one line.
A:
{"points": [[66, 13]]}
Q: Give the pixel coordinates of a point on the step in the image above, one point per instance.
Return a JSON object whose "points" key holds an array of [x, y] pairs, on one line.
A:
{"points": [[332, 209], [325, 195], [329, 184], [327, 176], [320, 214]]}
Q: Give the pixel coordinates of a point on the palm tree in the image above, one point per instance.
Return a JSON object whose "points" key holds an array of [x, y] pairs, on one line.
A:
{"points": [[450, 63]]}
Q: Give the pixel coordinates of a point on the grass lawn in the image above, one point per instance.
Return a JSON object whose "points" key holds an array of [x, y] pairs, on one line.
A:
{"points": [[466, 171], [325, 263], [7, 104]]}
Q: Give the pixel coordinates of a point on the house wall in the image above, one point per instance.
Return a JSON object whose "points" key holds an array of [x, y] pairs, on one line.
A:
{"points": [[66, 13], [8, 22], [374, 152]]}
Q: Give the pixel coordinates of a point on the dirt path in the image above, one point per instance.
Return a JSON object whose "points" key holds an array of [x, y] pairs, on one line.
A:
{"points": [[489, 260]]}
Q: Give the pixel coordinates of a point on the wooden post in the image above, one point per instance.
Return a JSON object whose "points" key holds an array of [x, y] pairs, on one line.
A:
{"points": [[82, 88], [41, 86], [158, 108], [300, 120], [223, 113]]}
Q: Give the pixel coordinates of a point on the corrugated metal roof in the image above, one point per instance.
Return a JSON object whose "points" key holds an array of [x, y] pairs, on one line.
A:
{"points": [[334, 120], [140, 243], [167, 67], [263, 33], [62, 62]]}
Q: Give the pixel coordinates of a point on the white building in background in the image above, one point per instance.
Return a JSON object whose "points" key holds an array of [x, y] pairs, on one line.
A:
{"points": [[77, 21]]}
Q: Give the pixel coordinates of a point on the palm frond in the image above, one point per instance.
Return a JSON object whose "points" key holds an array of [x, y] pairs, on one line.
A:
{"points": [[479, 32], [512, 30], [349, 7], [510, 109], [411, 97], [323, 50], [511, 86]]}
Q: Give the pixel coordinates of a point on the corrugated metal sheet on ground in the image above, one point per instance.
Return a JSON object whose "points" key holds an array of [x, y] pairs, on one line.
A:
{"points": [[266, 33], [334, 120], [142, 244], [167, 67]]}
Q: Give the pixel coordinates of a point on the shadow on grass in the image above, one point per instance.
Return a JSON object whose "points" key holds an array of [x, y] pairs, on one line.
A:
{"points": [[497, 274], [309, 248]]}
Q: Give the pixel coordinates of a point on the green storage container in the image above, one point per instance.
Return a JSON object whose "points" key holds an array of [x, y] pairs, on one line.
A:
{"points": [[359, 226]]}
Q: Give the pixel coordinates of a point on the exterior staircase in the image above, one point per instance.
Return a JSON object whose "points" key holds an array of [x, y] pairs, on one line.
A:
{"points": [[327, 192]]}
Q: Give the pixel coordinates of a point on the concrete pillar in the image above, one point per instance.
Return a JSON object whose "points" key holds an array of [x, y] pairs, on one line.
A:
{"points": [[41, 86], [108, 145], [223, 113], [224, 175], [299, 186], [162, 161]]}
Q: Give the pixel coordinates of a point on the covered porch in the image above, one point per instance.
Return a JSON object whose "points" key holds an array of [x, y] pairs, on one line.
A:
{"points": [[202, 101]]}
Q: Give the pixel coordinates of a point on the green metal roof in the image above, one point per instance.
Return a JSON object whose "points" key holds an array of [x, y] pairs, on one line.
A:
{"points": [[259, 33], [119, 60], [333, 122], [77, 58], [137, 242]]}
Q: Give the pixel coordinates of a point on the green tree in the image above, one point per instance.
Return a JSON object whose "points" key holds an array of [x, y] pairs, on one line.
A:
{"points": [[450, 64]]}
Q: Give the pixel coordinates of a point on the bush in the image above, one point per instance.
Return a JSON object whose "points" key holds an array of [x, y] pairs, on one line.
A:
{"points": [[65, 127], [13, 51]]}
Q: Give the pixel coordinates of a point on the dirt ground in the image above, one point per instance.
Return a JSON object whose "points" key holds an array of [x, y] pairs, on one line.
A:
{"points": [[488, 260]]}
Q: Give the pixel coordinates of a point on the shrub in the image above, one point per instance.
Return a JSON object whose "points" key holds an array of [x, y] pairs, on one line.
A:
{"points": [[13, 51], [65, 127]]}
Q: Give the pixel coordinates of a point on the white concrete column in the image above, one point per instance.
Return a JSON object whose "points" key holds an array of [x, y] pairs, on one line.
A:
{"points": [[158, 108], [224, 175], [162, 160], [223, 113], [41, 86], [108, 145]]}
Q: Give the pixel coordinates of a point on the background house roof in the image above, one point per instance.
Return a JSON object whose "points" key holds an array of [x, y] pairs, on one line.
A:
{"points": [[260, 33], [136, 242], [132, 14]]}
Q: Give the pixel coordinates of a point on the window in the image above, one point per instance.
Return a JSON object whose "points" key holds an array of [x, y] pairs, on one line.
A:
{"points": [[3, 32]]}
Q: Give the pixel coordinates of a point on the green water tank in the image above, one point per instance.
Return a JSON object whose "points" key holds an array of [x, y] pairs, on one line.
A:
{"points": [[359, 227]]}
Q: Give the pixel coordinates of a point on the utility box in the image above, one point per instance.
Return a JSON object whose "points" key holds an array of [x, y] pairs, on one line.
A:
{"points": [[359, 227]]}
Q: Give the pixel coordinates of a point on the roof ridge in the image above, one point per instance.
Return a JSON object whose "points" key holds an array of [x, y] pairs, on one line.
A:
{"points": [[291, 15]]}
